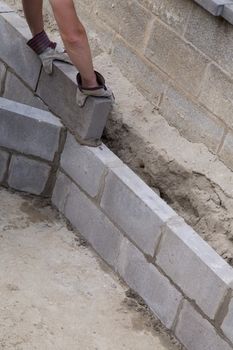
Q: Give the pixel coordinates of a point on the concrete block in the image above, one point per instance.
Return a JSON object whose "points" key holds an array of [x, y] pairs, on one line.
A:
{"points": [[194, 266], [226, 151], [162, 298], [28, 175], [228, 322], [127, 18], [2, 77], [61, 191], [135, 208], [28, 130], [87, 165], [215, 7], [178, 59], [4, 157], [173, 13], [196, 333], [4, 7], [88, 219], [193, 122], [59, 93], [14, 29], [228, 13], [100, 35], [17, 91], [139, 72], [217, 94], [213, 36], [149, 4]]}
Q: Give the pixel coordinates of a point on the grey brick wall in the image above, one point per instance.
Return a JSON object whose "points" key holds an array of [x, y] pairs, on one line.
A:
{"points": [[183, 281], [179, 55]]}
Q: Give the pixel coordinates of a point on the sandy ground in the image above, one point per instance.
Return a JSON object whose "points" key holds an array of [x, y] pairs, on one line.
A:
{"points": [[57, 294]]}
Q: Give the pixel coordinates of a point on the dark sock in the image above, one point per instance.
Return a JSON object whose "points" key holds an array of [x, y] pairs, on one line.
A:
{"points": [[40, 42]]}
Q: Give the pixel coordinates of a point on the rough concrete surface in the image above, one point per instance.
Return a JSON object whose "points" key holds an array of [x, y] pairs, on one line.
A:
{"points": [[57, 294]]}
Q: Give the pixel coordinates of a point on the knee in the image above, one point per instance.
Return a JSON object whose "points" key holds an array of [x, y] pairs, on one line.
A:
{"points": [[75, 37]]}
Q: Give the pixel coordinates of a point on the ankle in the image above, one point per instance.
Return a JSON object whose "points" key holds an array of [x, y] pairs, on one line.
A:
{"points": [[90, 83]]}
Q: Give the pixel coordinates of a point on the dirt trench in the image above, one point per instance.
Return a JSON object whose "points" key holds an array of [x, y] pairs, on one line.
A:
{"points": [[202, 204]]}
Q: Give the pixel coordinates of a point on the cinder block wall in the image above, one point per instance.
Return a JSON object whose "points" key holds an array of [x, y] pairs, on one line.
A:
{"points": [[180, 57]]}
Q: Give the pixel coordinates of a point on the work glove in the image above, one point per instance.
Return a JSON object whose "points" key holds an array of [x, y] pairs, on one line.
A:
{"points": [[47, 51], [101, 91], [50, 55]]}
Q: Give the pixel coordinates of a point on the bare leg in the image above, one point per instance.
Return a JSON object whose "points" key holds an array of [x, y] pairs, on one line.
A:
{"points": [[34, 15], [75, 39]]}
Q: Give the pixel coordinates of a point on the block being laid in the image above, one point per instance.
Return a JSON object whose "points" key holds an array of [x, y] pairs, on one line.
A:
{"points": [[58, 91], [28, 175]]}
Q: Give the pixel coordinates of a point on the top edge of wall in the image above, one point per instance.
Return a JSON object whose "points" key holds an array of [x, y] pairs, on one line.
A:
{"points": [[222, 8]]}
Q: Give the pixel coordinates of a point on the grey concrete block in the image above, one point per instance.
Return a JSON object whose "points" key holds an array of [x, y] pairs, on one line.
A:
{"points": [[28, 175], [228, 322], [194, 266], [88, 219], [2, 77], [162, 298], [180, 60], [59, 93], [196, 333], [4, 157], [215, 7], [139, 72], [126, 17], [217, 94], [28, 130], [135, 208], [17, 91], [228, 13], [61, 191], [192, 121], [174, 13], [213, 36], [87, 165], [13, 29]]}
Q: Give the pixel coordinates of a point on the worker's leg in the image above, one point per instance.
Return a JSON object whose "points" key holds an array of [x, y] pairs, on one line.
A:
{"points": [[34, 16], [75, 39]]}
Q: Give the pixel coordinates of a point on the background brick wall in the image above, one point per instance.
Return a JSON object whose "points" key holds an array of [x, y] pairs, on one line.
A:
{"points": [[180, 57]]}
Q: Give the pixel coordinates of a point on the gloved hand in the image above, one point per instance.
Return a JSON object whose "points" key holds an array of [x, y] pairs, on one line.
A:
{"points": [[49, 55], [47, 51], [100, 91]]}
